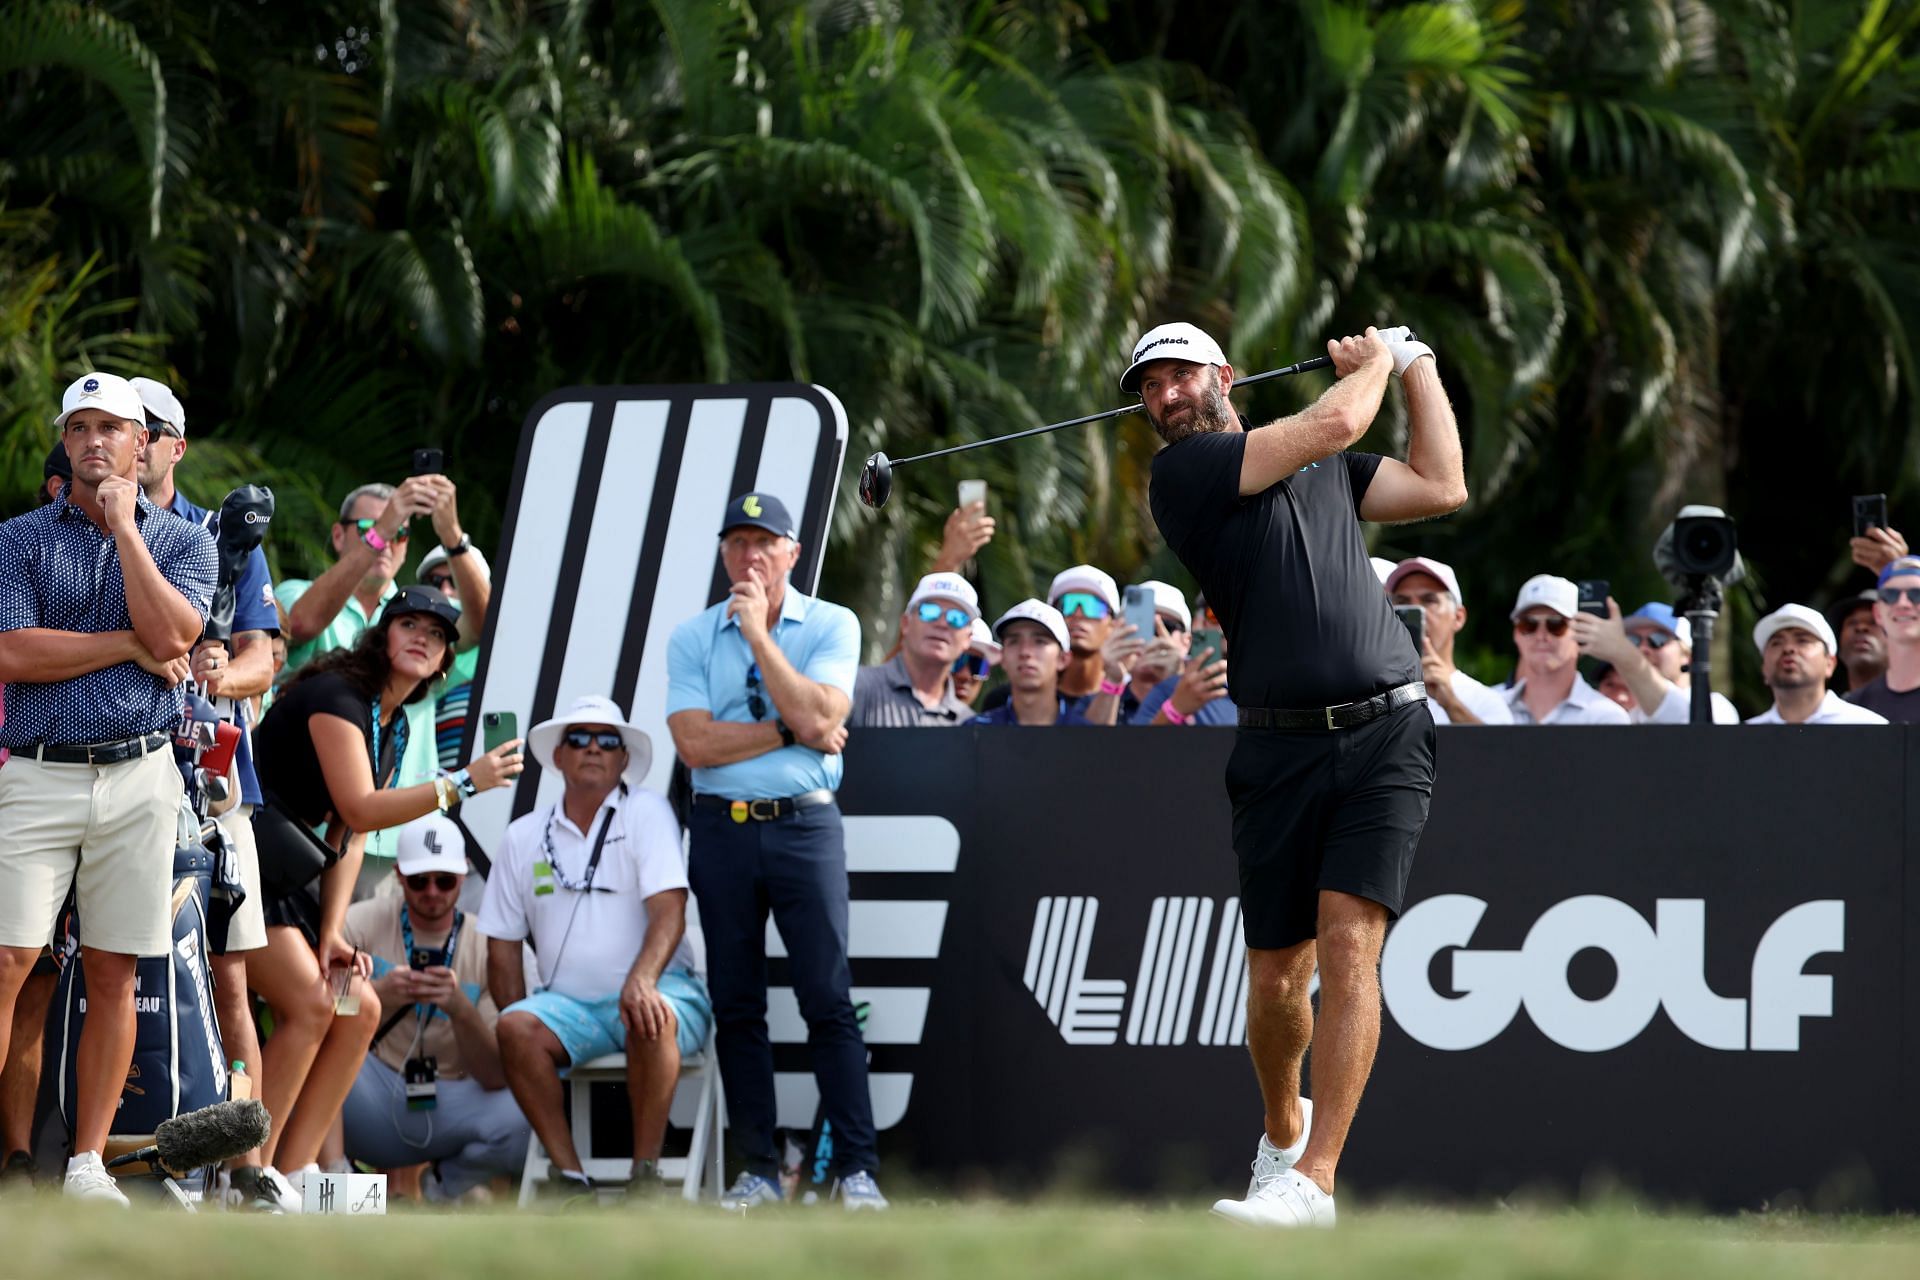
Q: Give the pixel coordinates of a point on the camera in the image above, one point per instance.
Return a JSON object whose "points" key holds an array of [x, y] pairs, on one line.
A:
{"points": [[1705, 545]]}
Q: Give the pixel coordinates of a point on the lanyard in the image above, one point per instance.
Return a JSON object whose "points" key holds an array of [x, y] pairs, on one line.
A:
{"points": [[398, 743], [425, 1011]]}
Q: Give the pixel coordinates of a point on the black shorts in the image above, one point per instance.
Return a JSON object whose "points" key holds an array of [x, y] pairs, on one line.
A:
{"points": [[1340, 810]]}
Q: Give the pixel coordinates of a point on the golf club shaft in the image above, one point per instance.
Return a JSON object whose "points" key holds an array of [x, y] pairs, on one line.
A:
{"points": [[1305, 366]]}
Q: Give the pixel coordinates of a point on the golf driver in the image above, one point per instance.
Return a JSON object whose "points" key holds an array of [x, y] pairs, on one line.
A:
{"points": [[876, 477]]}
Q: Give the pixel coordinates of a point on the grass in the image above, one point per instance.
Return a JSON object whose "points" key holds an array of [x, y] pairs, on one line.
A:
{"points": [[47, 1237]]}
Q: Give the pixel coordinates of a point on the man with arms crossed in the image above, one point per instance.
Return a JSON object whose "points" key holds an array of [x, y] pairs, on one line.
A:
{"points": [[1332, 770]]}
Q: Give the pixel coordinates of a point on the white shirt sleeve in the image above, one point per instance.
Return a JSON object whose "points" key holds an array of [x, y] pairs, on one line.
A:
{"points": [[655, 836], [503, 912]]}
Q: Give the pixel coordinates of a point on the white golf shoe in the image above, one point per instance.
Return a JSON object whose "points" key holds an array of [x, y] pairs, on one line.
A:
{"points": [[1289, 1199], [1272, 1167]]}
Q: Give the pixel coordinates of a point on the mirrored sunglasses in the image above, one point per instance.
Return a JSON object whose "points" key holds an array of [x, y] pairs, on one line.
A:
{"points": [[932, 611], [1084, 603], [399, 535], [444, 881], [978, 663], [1554, 626], [606, 739], [1649, 639]]}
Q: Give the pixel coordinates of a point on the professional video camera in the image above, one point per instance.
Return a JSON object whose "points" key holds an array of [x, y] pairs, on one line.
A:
{"points": [[1699, 553]]}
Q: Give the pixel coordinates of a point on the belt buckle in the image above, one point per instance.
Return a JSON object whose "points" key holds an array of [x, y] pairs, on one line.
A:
{"points": [[1329, 711], [772, 810]]}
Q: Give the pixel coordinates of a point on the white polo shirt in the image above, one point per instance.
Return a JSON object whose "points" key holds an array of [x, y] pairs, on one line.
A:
{"points": [[602, 931], [1677, 708], [1479, 699], [1833, 709], [1584, 705]]}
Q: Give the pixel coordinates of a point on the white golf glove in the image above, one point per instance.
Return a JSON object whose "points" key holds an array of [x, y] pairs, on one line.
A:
{"points": [[1405, 347]]}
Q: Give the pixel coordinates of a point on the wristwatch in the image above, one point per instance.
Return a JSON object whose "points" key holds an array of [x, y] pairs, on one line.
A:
{"points": [[463, 779], [459, 548], [786, 735]]}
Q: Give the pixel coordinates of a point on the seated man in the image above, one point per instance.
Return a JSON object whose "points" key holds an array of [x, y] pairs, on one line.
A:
{"points": [[1034, 649], [1651, 650], [1796, 659], [430, 969], [1453, 696], [914, 688], [597, 883], [1547, 688]]}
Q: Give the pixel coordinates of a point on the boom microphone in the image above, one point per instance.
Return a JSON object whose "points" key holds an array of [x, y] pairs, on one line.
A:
{"points": [[205, 1137]]}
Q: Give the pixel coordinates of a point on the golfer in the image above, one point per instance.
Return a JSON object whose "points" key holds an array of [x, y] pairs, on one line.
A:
{"points": [[1333, 766]]}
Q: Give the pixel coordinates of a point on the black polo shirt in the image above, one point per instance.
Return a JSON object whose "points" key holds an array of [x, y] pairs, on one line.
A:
{"points": [[1306, 620]]}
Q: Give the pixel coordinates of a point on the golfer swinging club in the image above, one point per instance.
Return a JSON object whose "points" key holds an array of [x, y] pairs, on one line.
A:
{"points": [[1333, 767]]}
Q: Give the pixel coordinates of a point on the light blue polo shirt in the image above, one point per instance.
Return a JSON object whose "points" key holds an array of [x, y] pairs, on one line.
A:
{"points": [[707, 664]]}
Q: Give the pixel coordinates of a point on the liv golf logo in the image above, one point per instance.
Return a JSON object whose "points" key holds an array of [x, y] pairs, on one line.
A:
{"points": [[1658, 966]]}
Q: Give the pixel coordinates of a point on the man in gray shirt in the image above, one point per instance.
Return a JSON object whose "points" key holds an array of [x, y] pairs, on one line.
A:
{"points": [[914, 688]]}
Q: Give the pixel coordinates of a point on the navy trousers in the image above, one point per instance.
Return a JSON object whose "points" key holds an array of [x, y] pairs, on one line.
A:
{"points": [[796, 868]]}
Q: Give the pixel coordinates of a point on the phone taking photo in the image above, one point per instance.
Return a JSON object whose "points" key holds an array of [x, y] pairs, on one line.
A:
{"points": [[1414, 619], [1136, 606], [1593, 596], [429, 462], [1869, 512], [499, 727], [972, 491]]}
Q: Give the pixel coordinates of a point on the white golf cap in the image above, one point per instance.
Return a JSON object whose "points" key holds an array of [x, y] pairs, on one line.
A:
{"points": [[161, 403], [1433, 569], [1557, 594], [1382, 568], [432, 843], [1084, 577], [983, 642], [946, 586], [1035, 611], [106, 391], [1793, 615], [438, 556], [1167, 599], [1176, 341]]}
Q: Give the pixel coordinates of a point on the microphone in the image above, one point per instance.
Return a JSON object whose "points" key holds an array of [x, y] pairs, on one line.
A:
{"points": [[205, 1137], [237, 529]]}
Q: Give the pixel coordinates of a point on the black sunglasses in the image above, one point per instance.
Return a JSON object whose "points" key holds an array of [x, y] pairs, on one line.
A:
{"points": [[440, 582], [606, 739], [444, 881], [1891, 595], [1652, 639], [755, 703]]}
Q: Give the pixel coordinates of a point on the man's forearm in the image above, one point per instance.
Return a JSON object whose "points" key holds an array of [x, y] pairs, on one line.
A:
{"points": [[1650, 688], [479, 1047], [41, 655], [251, 670], [476, 596], [322, 602], [666, 925], [1103, 709], [1330, 424], [506, 972], [165, 621], [721, 742], [808, 707], [1433, 434]]}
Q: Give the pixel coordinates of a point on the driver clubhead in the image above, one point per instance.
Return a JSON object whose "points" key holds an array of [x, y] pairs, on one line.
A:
{"points": [[876, 481]]}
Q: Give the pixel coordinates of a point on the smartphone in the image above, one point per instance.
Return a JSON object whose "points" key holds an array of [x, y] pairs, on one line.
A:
{"points": [[1136, 606], [497, 727], [1869, 512], [426, 958], [429, 462], [1205, 638], [972, 491], [1414, 619], [1593, 596]]}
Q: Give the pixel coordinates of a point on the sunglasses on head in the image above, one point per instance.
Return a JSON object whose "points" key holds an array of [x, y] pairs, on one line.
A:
{"points": [[933, 610], [1893, 595], [606, 739], [974, 662], [1556, 626], [399, 535], [1651, 639], [444, 881], [1084, 603]]}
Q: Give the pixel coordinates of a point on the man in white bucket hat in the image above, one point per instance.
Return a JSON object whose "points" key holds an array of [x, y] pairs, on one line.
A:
{"points": [[596, 881]]}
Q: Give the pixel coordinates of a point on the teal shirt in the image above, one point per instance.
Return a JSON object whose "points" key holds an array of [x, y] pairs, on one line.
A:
{"points": [[707, 665]]}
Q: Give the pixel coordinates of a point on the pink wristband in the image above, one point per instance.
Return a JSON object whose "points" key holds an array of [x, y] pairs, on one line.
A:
{"points": [[373, 539], [1111, 689], [1172, 713]]}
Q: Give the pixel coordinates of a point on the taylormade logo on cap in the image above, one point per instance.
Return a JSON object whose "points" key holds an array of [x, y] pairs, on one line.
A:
{"points": [[1176, 341]]}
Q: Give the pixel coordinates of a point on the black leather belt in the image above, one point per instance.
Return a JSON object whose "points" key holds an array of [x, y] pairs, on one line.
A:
{"points": [[1344, 716], [98, 752], [765, 810]]}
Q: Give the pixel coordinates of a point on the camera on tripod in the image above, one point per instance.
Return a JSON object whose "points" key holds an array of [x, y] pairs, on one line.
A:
{"points": [[1699, 553], [1705, 546]]}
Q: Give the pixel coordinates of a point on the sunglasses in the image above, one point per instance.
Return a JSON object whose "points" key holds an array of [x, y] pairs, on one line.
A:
{"points": [[932, 611], [1173, 625], [1893, 595], [605, 739], [1084, 603], [1554, 626], [1650, 639], [444, 881], [164, 428], [440, 582], [399, 535], [755, 703], [977, 663]]}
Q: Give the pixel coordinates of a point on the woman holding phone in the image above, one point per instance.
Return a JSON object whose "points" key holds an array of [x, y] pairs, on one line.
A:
{"points": [[328, 753]]}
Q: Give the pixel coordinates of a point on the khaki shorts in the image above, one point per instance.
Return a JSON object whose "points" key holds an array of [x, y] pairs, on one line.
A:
{"points": [[109, 828], [248, 929]]}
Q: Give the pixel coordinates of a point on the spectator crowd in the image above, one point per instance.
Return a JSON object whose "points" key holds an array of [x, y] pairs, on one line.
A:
{"points": [[422, 1021]]}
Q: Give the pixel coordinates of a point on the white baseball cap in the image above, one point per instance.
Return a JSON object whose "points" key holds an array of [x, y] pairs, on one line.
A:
{"points": [[161, 403], [946, 586], [1176, 341], [1793, 615], [1167, 599], [1036, 611], [1433, 569], [1557, 594], [432, 843], [983, 642], [106, 391], [1084, 577], [438, 556]]}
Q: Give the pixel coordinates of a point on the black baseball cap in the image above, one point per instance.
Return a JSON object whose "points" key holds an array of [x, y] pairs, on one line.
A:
{"points": [[58, 464], [762, 511], [423, 599]]}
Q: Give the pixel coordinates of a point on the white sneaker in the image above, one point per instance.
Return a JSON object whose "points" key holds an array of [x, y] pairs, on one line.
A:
{"points": [[1287, 1199], [274, 1194], [295, 1181], [88, 1179], [1270, 1162]]}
